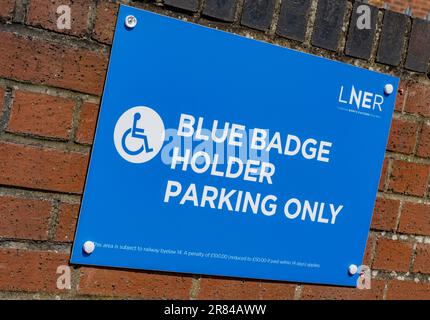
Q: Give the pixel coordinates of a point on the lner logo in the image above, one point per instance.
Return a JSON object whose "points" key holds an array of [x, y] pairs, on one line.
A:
{"points": [[360, 99]]}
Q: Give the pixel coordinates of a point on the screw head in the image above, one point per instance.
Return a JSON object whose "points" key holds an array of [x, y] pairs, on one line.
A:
{"points": [[88, 247], [388, 89], [130, 21], [352, 269]]}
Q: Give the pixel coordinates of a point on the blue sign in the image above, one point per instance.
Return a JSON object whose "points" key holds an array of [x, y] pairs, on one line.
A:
{"points": [[218, 154]]}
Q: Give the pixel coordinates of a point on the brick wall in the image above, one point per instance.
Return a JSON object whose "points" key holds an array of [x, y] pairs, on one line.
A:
{"points": [[50, 86], [420, 8]]}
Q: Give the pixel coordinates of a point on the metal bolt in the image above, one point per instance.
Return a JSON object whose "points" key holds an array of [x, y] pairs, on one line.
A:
{"points": [[388, 89], [130, 21], [352, 269], [89, 247]]}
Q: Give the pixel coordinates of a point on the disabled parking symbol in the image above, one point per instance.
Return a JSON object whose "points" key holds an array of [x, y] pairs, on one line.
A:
{"points": [[139, 134]]}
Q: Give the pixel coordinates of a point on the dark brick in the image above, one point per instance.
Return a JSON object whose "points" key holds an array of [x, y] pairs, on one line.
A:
{"points": [[359, 43], [293, 19], [189, 5], [394, 27], [258, 14], [419, 46], [220, 9], [328, 23]]}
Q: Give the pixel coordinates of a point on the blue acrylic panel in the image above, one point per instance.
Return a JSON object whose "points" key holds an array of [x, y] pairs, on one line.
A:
{"points": [[284, 189]]}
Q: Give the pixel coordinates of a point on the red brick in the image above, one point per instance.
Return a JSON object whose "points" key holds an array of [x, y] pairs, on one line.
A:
{"points": [[233, 289], [423, 149], [68, 216], [415, 218], [105, 21], [385, 214], [409, 178], [42, 115], [277, 291], [367, 259], [408, 290], [401, 94], [315, 292], [30, 271], [87, 123], [211, 288], [422, 258], [24, 218], [38, 168], [6, 9], [43, 13], [419, 7], [418, 100], [50, 63], [392, 255], [121, 283], [383, 177], [403, 135]]}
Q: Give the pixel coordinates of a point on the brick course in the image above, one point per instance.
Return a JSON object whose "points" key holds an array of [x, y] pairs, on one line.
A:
{"points": [[30, 271], [39, 168], [393, 255], [45, 62], [420, 8], [34, 113], [43, 13], [104, 282], [408, 290], [24, 218]]}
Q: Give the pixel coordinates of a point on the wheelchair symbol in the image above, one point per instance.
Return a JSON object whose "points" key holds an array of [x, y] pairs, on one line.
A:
{"points": [[137, 133]]}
